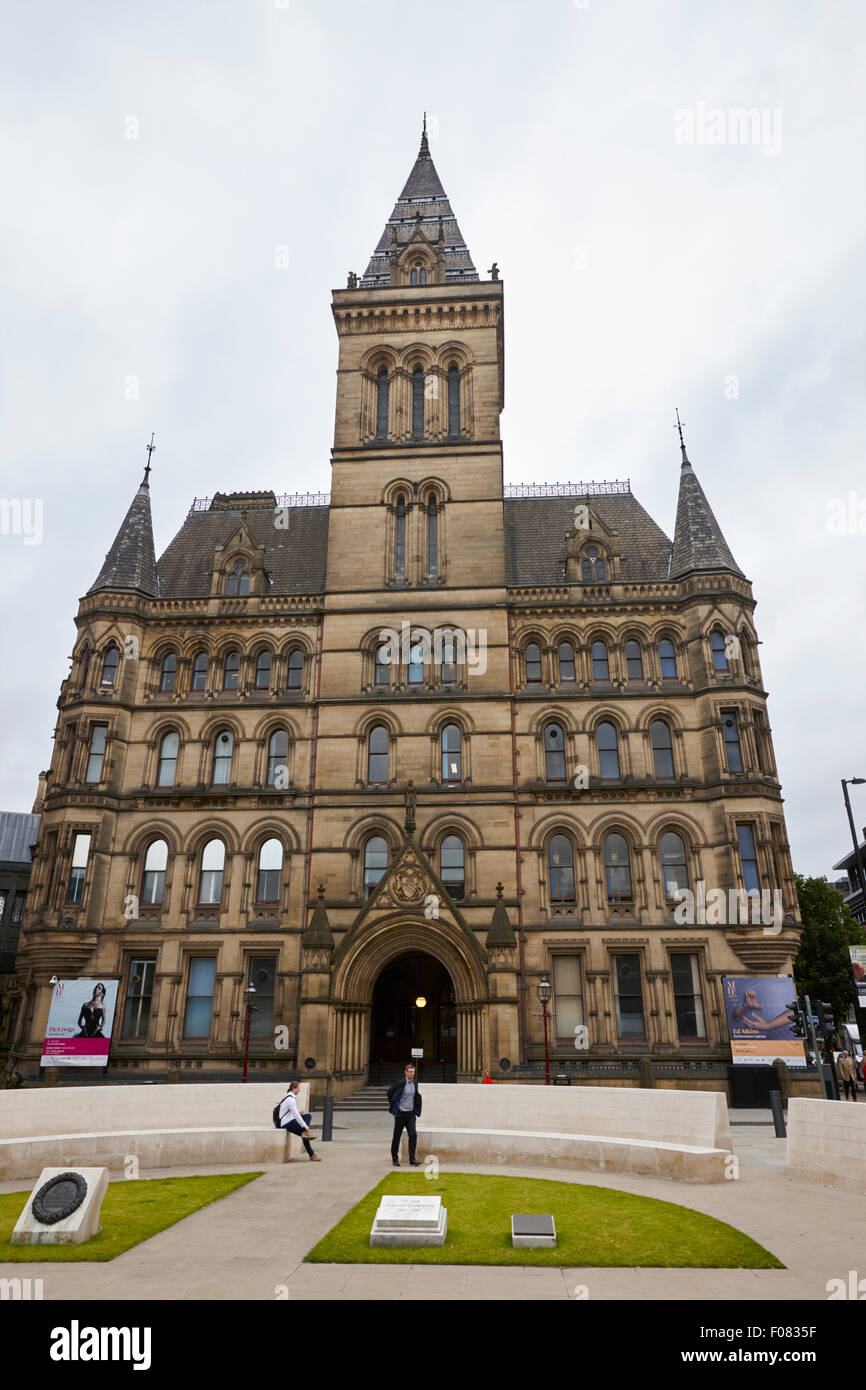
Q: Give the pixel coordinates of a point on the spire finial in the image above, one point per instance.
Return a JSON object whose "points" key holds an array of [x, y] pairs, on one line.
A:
{"points": [[425, 148], [682, 441], [150, 449]]}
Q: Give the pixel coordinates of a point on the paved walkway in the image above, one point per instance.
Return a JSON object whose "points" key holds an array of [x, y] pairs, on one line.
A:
{"points": [[251, 1245]]}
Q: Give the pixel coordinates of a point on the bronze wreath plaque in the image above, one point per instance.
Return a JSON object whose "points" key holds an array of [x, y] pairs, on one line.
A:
{"points": [[59, 1197]]}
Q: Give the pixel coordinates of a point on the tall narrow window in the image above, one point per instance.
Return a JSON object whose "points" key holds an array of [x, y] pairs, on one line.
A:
{"points": [[616, 868], [153, 882], [432, 537], [554, 753], [567, 997], [212, 861], [238, 581], [78, 869], [593, 568], [628, 996], [222, 758], [375, 863], [452, 754], [97, 753], [400, 541], [270, 872], [382, 391], [231, 670], [449, 657], [565, 654], [264, 661], [72, 746], [139, 993], [663, 753], [633, 661], [748, 858], [415, 673], [453, 399], [168, 673], [717, 646], [533, 664], [688, 1001], [296, 669], [278, 759], [761, 753], [418, 403], [608, 752], [731, 738], [263, 975], [377, 756], [199, 671], [560, 856], [452, 869], [110, 663], [668, 660], [199, 1000], [600, 664], [675, 872], [18, 908], [167, 764], [382, 674]]}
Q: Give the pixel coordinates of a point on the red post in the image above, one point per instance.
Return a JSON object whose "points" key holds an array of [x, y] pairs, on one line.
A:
{"points": [[247, 1041], [546, 1048]]}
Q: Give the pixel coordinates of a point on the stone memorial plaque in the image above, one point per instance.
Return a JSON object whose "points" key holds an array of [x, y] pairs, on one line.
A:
{"points": [[59, 1198], [63, 1208], [410, 1221], [533, 1232]]}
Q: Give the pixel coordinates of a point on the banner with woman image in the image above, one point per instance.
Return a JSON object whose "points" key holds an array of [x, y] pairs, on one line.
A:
{"points": [[79, 1023]]}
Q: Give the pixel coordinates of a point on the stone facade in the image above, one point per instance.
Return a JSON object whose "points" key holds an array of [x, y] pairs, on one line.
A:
{"points": [[284, 673]]}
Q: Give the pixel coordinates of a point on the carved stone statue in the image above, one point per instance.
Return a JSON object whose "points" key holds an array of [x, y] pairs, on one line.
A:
{"points": [[352, 282], [411, 800]]}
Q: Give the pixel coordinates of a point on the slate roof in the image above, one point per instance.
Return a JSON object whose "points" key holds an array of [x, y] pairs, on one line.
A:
{"points": [[131, 563], [698, 540], [536, 527], [295, 555], [422, 193], [18, 831]]}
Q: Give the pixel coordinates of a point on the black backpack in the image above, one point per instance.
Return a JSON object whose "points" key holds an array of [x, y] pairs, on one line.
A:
{"points": [[277, 1109]]}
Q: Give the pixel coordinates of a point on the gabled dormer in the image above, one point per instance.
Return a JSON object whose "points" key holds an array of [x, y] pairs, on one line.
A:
{"points": [[239, 567], [591, 548]]}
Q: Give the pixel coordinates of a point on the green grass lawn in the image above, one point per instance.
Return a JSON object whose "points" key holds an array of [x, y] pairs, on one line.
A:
{"points": [[132, 1211], [594, 1226]]}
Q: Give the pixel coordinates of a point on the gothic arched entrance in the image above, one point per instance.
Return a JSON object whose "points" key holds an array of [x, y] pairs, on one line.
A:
{"points": [[414, 1006]]}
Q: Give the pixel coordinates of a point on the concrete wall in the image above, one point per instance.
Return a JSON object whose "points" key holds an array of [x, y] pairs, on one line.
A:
{"points": [[827, 1141]]}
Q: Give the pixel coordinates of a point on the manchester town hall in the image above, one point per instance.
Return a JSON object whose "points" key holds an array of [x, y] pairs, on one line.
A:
{"points": [[396, 754]]}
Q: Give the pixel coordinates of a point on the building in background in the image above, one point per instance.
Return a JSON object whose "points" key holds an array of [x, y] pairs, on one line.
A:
{"points": [[18, 831], [850, 886]]}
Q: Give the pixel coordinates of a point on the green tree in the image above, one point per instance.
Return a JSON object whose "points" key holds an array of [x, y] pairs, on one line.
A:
{"points": [[823, 966]]}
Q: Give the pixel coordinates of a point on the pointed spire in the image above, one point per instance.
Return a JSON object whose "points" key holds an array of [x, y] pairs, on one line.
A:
{"points": [[425, 148], [501, 932], [698, 540], [318, 935], [130, 564]]}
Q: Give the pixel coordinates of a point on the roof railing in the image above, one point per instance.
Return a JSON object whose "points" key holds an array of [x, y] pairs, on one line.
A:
{"points": [[592, 489]]}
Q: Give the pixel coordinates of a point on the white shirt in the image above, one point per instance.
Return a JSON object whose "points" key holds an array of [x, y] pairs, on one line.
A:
{"points": [[289, 1110]]}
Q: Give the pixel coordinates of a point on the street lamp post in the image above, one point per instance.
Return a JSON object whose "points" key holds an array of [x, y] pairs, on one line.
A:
{"points": [[544, 996], [249, 1000], [861, 872]]}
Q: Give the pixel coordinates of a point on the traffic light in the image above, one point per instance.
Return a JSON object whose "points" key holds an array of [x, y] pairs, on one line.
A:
{"points": [[798, 1020], [826, 1021]]}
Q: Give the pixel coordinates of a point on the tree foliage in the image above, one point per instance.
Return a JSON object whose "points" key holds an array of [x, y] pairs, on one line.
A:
{"points": [[823, 966]]}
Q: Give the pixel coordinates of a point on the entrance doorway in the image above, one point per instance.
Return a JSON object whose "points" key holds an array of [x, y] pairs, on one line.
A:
{"points": [[400, 1021]]}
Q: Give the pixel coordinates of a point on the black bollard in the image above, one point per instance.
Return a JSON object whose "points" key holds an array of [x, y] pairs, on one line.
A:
{"points": [[327, 1119], [778, 1114]]}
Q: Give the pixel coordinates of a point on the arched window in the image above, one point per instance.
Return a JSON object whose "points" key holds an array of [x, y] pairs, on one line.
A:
{"points": [[532, 657], [296, 669], [554, 753], [616, 868], [432, 537], [110, 663], [400, 541], [382, 674], [415, 673], [668, 660], [167, 766], [199, 671], [153, 882], [675, 872], [633, 661], [222, 758], [717, 645], [264, 660], [449, 657], [238, 581], [212, 862], [663, 753], [600, 664], [452, 871], [270, 872], [418, 403], [565, 656], [452, 754], [608, 752], [560, 856], [278, 759], [419, 274], [453, 399], [382, 391], [593, 568], [231, 670], [375, 863], [377, 755], [168, 674]]}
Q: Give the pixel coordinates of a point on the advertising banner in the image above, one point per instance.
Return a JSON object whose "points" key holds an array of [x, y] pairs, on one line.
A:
{"points": [[759, 1020], [858, 965], [79, 1023]]}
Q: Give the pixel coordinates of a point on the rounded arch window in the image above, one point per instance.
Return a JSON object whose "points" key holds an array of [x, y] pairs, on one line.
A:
{"points": [[270, 872], [382, 672], [377, 755], [453, 399], [382, 390], [296, 669], [452, 753], [432, 536], [155, 862], [452, 870], [593, 568], [222, 758], [199, 671], [238, 580], [278, 759], [212, 863], [264, 662], [717, 646], [633, 661], [532, 657], [565, 656], [600, 662], [608, 752], [231, 670], [415, 672], [617, 868], [168, 674], [663, 753], [167, 763], [375, 863], [110, 663], [400, 539], [560, 857], [675, 873], [554, 753], [667, 659], [418, 403]]}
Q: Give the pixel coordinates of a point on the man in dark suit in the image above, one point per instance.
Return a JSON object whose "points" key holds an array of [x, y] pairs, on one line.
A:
{"points": [[404, 1102]]}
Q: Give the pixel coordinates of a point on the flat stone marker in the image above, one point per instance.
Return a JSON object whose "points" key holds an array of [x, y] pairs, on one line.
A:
{"points": [[533, 1232], [63, 1208], [410, 1221]]}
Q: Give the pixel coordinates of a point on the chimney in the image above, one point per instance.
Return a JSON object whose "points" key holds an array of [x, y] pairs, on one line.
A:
{"points": [[40, 794]]}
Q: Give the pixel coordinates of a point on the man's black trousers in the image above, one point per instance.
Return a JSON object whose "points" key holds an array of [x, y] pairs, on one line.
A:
{"points": [[404, 1119]]}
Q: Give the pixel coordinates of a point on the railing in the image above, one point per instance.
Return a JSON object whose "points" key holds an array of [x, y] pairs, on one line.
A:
{"points": [[287, 499], [592, 489]]}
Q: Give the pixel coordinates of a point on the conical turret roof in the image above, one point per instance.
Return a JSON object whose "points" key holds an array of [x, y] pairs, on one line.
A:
{"points": [[698, 540], [131, 562]]}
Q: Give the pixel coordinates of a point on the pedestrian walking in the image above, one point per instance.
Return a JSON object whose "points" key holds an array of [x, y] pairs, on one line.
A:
{"points": [[404, 1102], [296, 1123], [847, 1074]]}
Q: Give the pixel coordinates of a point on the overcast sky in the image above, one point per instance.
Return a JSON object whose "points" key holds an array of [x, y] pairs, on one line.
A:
{"points": [[655, 254]]}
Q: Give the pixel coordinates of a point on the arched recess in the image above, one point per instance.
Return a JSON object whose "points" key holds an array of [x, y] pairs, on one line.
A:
{"points": [[375, 942]]}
